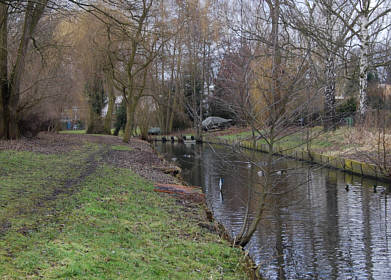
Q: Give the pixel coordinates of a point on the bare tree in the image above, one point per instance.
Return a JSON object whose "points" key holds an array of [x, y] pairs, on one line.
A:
{"points": [[368, 21], [328, 39], [167, 68], [278, 77], [198, 38], [140, 47], [11, 80]]}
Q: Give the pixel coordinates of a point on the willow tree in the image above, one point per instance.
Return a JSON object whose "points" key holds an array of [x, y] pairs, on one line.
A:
{"points": [[141, 55], [96, 101], [91, 58], [11, 72], [135, 43], [167, 68], [200, 34]]}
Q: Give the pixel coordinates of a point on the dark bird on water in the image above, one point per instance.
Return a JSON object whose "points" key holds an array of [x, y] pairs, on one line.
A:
{"points": [[347, 187], [374, 188]]}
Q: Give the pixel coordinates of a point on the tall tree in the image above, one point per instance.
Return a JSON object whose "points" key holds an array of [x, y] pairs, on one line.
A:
{"points": [[166, 80], [90, 55], [327, 37], [198, 38], [138, 45], [96, 101], [11, 79], [368, 22]]}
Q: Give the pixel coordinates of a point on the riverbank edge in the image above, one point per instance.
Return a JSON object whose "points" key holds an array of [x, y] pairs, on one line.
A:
{"points": [[249, 265], [339, 163], [236, 262]]}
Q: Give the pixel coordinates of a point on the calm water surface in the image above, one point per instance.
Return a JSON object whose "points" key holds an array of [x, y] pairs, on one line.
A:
{"points": [[314, 229]]}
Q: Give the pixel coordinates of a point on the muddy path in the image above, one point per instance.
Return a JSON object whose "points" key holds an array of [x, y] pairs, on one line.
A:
{"points": [[40, 204]]}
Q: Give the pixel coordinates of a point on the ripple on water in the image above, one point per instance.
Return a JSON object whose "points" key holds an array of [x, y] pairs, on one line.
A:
{"points": [[318, 231]]}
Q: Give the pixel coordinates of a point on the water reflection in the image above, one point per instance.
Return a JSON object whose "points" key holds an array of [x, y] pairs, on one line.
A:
{"points": [[315, 228]]}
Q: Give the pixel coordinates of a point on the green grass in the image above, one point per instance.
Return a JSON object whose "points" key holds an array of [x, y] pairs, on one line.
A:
{"points": [[81, 131], [107, 225], [322, 142], [237, 136], [120, 133], [121, 148]]}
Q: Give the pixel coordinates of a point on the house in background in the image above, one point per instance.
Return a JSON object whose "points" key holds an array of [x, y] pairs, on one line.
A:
{"points": [[72, 118], [118, 101], [384, 89]]}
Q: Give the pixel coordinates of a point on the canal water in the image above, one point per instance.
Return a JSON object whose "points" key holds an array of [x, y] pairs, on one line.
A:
{"points": [[314, 227]]}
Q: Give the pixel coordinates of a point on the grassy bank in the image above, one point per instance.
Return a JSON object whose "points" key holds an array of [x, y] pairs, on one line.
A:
{"points": [[73, 216], [328, 143], [357, 150]]}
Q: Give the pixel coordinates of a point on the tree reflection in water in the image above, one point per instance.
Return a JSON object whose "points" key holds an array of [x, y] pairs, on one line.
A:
{"points": [[318, 230]]}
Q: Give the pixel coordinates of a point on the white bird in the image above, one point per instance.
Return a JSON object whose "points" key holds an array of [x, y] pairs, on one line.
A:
{"points": [[221, 183], [261, 173]]}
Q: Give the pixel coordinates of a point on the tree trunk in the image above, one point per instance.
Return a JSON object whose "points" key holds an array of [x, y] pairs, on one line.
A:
{"points": [[16, 78], [329, 95], [110, 107], [172, 114], [10, 90], [363, 82], [109, 115], [94, 125], [276, 109], [278, 106], [4, 93], [130, 110], [129, 120], [248, 231]]}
